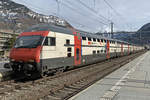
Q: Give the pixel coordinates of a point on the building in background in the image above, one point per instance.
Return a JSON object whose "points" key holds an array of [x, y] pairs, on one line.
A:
{"points": [[5, 36]]}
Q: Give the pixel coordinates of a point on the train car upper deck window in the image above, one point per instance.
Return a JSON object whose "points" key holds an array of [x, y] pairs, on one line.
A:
{"points": [[94, 39], [89, 39], [110, 42], [50, 41], [67, 41], [83, 38]]}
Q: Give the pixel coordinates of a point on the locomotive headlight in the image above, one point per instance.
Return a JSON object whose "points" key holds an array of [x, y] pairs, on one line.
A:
{"points": [[31, 60]]}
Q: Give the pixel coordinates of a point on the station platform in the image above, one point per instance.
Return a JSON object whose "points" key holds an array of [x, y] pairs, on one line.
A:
{"points": [[130, 82]]}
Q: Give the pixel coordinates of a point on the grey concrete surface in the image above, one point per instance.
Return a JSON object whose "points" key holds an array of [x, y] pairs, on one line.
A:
{"points": [[130, 82]]}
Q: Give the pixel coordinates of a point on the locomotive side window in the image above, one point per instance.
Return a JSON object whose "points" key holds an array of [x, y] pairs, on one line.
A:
{"points": [[46, 41], [50, 41]]}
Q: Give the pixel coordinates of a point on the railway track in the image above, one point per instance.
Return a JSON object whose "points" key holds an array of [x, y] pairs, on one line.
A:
{"points": [[61, 86]]}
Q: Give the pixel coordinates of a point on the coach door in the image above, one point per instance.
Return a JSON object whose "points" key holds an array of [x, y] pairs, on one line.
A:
{"points": [[77, 49], [108, 50]]}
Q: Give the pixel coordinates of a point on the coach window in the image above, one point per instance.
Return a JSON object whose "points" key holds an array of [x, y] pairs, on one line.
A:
{"points": [[94, 39], [50, 41], [69, 49], [69, 55], [102, 40], [67, 41], [98, 51], [83, 38], [98, 40], [94, 52], [89, 39]]}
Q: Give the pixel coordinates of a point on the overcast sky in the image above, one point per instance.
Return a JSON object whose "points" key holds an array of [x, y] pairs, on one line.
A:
{"points": [[87, 15]]}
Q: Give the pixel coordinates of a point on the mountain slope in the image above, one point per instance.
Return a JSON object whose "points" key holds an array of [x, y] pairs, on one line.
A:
{"points": [[18, 17]]}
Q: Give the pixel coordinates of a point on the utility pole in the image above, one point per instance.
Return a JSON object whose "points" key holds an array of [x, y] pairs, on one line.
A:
{"points": [[111, 32]]}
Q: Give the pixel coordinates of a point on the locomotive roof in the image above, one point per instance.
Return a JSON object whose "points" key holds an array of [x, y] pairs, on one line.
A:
{"points": [[50, 27]]}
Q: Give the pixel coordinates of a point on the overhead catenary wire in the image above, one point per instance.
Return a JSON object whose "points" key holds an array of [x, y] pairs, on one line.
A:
{"points": [[94, 11], [112, 8], [70, 8], [117, 13], [39, 9], [81, 13]]}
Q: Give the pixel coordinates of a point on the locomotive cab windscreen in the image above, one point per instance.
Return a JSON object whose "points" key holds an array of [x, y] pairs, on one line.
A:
{"points": [[28, 41]]}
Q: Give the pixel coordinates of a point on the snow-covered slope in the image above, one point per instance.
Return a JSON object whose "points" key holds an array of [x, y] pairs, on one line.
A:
{"points": [[18, 17]]}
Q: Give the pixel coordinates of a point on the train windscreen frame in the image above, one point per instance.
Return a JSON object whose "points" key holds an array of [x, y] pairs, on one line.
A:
{"points": [[28, 41]]}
